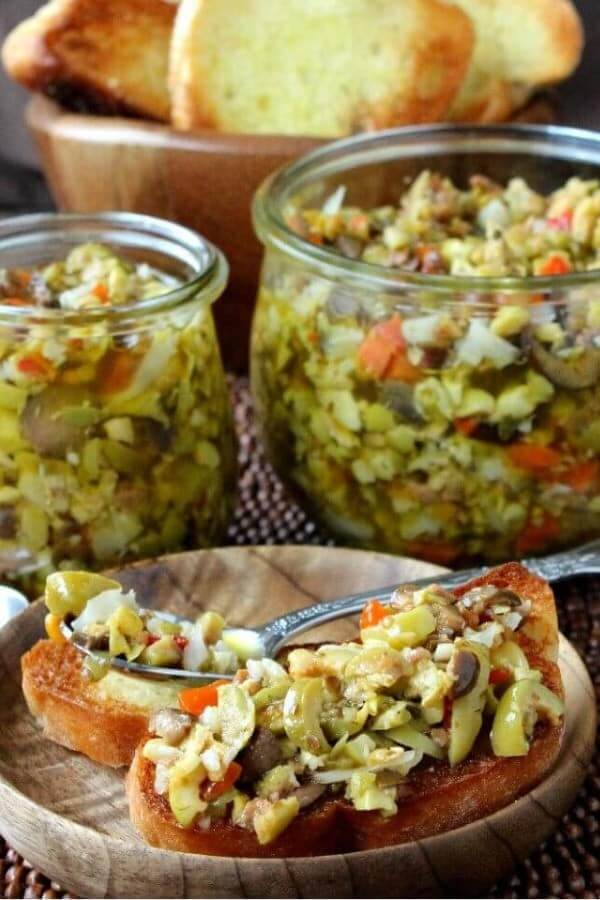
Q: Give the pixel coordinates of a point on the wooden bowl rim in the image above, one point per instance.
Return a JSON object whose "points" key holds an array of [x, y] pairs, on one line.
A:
{"points": [[47, 115]]}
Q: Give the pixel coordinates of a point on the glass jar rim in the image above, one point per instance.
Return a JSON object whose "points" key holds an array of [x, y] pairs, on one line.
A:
{"points": [[206, 285], [568, 144]]}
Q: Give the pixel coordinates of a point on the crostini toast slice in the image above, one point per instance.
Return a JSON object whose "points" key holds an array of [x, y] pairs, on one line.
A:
{"points": [[324, 69], [520, 47], [106, 719], [105, 56], [439, 797]]}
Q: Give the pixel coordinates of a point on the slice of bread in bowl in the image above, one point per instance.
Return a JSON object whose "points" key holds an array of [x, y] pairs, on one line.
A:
{"points": [[324, 68], [521, 46], [486, 728], [103, 56]]}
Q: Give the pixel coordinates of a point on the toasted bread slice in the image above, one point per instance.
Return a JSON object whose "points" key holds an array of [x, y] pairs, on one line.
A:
{"points": [[108, 57], [106, 719], [441, 797], [521, 46], [325, 69]]}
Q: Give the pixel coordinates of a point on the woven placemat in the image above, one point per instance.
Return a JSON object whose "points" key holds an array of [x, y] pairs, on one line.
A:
{"points": [[568, 864]]}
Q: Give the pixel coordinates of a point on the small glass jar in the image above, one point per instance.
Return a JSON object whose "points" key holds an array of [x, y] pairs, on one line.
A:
{"points": [[116, 433], [482, 446]]}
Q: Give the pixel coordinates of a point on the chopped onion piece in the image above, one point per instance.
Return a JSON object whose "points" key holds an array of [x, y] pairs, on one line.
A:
{"points": [[443, 652], [196, 652], [161, 778], [102, 606], [490, 635], [335, 201], [245, 643], [512, 620], [481, 344]]}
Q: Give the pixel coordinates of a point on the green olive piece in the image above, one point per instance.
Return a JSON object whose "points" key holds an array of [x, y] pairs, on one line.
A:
{"points": [[416, 740], [512, 720], [95, 667], [510, 656], [186, 776], [301, 715], [68, 592], [405, 629], [517, 714], [211, 625], [270, 694], [237, 717], [347, 721], [163, 652], [574, 374], [467, 711], [45, 426], [271, 717], [396, 714]]}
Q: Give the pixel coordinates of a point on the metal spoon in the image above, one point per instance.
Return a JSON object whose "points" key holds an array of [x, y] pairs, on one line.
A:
{"points": [[273, 635]]}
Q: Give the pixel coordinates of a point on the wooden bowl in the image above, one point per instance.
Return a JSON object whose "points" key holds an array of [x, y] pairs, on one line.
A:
{"points": [[68, 816], [203, 180]]}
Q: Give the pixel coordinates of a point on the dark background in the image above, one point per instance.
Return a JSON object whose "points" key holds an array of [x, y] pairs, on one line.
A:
{"points": [[22, 188]]}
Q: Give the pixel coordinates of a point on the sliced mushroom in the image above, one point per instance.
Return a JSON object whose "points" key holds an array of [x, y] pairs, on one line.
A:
{"points": [[170, 724], [308, 794], [262, 753], [399, 397], [98, 641], [464, 667], [8, 522], [575, 374], [449, 618], [342, 304], [505, 597], [151, 433], [43, 422], [349, 246]]}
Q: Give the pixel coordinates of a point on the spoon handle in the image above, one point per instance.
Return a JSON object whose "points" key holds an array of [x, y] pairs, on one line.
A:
{"points": [[584, 560]]}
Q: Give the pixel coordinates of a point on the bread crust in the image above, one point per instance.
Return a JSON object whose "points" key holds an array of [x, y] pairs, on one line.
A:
{"points": [[504, 74], [441, 798], [438, 52], [70, 710], [101, 57]]}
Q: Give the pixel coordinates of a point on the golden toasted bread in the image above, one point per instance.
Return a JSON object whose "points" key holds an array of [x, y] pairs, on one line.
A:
{"points": [[521, 46], [108, 56], [440, 797], [324, 69], [106, 719]]}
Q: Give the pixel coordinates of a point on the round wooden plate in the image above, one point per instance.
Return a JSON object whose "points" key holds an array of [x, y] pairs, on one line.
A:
{"points": [[68, 816]]}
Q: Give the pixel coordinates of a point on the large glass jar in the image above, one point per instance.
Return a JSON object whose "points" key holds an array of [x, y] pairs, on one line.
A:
{"points": [[484, 446], [116, 438]]}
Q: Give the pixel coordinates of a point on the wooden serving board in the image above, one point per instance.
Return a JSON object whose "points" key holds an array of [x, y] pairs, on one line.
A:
{"points": [[68, 816]]}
